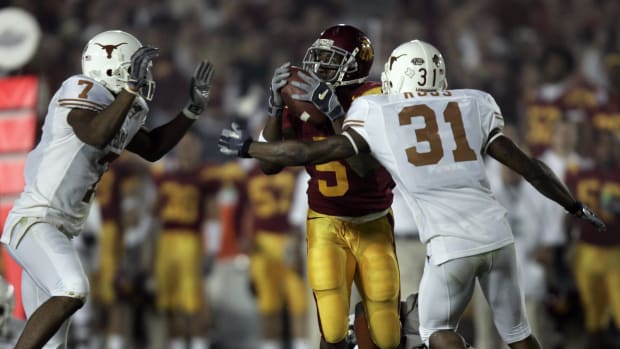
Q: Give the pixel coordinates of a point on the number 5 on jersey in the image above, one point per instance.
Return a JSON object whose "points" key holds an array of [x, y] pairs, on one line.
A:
{"points": [[430, 133]]}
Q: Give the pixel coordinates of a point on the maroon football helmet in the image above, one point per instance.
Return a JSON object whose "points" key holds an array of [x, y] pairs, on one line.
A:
{"points": [[342, 55]]}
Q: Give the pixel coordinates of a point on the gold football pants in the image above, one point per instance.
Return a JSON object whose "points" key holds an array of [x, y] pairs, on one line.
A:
{"points": [[340, 252], [597, 272], [275, 280]]}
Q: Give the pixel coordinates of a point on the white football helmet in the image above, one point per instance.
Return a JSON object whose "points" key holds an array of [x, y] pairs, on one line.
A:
{"points": [[7, 304], [107, 58], [414, 66]]}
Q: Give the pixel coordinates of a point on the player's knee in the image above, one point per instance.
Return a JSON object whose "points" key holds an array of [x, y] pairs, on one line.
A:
{"points": [[75, 287], [385, 328], [269, 306], [446, 339], [334, 332], [380, 274], [69, 304], [333, 314]]}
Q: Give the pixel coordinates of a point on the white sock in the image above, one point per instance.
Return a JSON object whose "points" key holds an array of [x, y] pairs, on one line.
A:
{"points": [[115, 341], [299, 343], [270, 344], [176, 343], [199, 343]]}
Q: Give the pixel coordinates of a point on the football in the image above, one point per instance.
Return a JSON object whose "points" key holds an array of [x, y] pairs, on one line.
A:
{"points": [[306, 111]]}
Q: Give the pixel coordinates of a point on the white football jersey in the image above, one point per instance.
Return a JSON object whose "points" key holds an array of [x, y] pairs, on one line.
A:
{"points": [[433, 146], [61, 173]]}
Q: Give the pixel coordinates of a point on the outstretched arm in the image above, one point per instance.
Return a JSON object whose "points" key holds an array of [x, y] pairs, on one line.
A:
{"points": [[292, 152], [295, 153], [540, 176], [152, 145]]}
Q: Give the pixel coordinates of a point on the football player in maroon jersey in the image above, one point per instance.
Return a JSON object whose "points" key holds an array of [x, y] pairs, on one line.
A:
{"points": [[275, 256], [597, 256], [186, 196], [349, 225]]}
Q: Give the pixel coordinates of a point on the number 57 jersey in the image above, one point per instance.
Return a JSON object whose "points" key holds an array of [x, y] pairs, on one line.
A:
{"points": [[433, 146], [62, 171]]}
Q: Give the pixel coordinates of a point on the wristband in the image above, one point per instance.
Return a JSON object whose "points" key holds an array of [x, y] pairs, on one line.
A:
{"points": [[189, 113], [131, 90], [244, 152], [574, 208]]}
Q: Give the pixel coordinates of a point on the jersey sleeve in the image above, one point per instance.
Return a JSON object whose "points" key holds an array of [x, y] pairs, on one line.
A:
{"points": [[357, 119], [491, 118], [82, 92]]}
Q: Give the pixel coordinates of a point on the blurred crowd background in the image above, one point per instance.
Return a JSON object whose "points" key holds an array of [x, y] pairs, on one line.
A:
{"points": [[553, 66]]}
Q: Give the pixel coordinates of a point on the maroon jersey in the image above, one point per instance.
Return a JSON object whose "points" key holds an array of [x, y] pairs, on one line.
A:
{"points": [[269, 199], [600, 190], [544, 110], [110, 189], [182, 198], [607, 115], [334, 188]]}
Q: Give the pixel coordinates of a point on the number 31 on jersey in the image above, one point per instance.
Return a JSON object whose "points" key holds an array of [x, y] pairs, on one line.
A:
{"points": [[430, 133]]}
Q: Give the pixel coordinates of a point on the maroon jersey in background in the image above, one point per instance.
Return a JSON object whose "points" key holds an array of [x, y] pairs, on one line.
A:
{"points": [[599, 190], [270, 199], [110, 187], [334, 188], [607, 115], [549, 105], [181, 199]]}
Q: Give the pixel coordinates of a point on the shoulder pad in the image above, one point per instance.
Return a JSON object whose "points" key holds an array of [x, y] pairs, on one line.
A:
{"points": [[82, 92]]}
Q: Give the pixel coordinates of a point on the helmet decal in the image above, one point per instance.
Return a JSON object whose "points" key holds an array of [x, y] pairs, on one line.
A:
{"points": [[436, 60], [110, 48], [106, 58], [394, 59], [366, 52]]}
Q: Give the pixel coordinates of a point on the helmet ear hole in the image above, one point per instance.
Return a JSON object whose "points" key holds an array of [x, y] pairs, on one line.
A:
{"points": [[108, 72]]}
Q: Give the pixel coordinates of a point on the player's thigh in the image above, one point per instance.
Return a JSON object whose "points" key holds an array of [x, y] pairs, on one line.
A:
{"points": [[110, 248], [411, 254], [269, 270], [589, 276], [376, 257], [295, 288], [445, 291], [329, 262], [266, 277], [379, 280], [165, 271], [189, 293], [612, 277], [500, 285], [50, 259], [330, 267]]}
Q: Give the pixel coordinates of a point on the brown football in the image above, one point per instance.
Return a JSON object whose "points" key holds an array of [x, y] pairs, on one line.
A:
{"points": [[306, 111]]}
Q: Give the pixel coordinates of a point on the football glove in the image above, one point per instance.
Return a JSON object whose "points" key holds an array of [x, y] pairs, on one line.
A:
{"points": [[584, 212], [280, 75], [235, 141], [199, 89], [139, 68], [319, 93]]}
